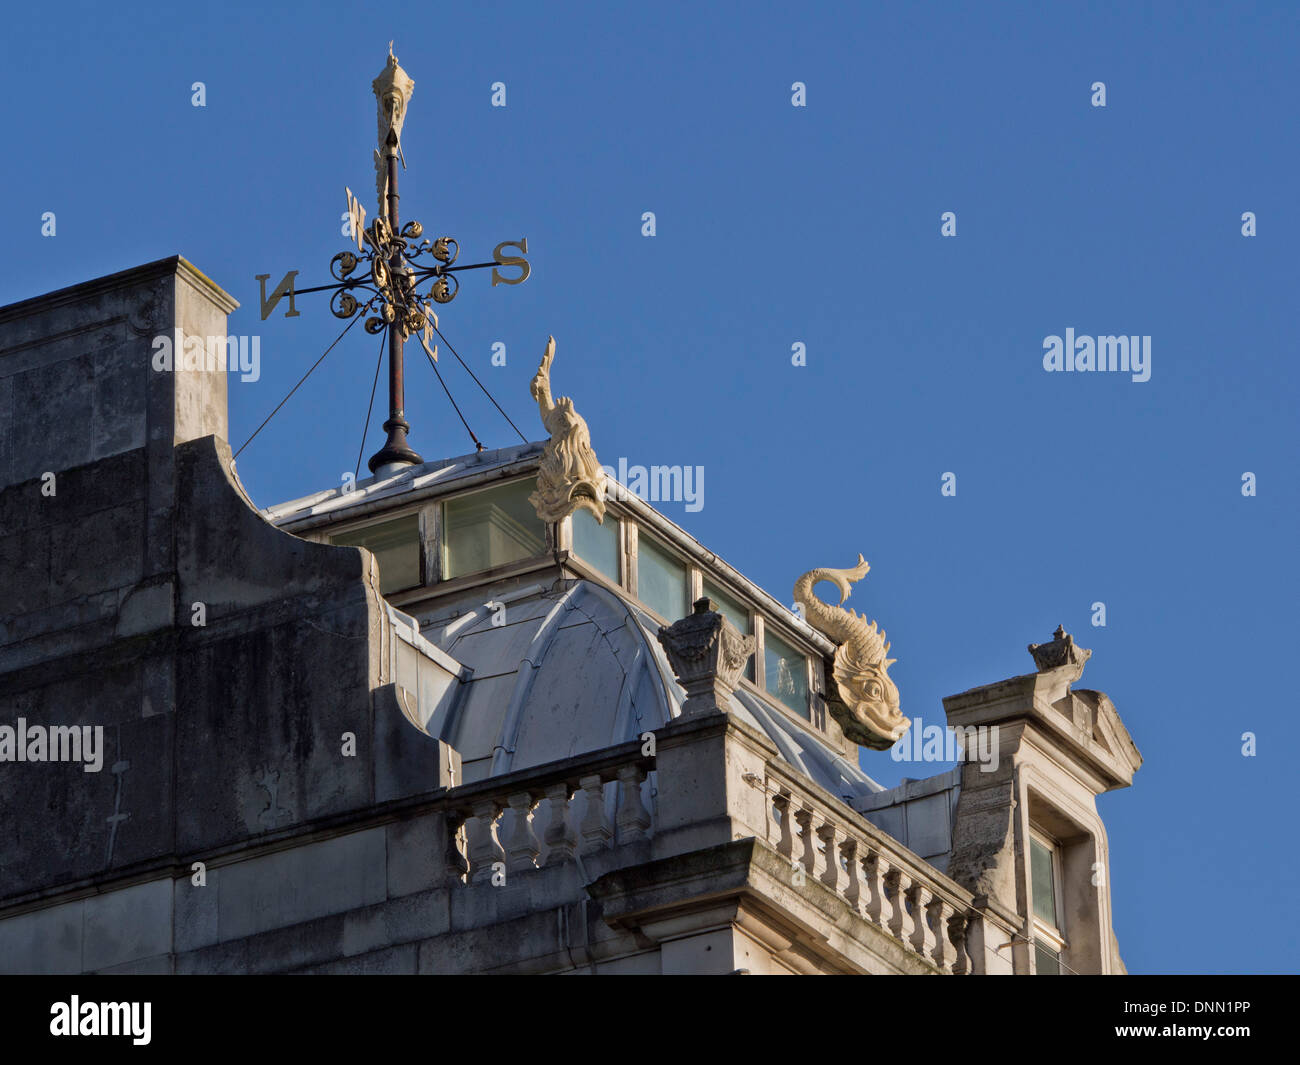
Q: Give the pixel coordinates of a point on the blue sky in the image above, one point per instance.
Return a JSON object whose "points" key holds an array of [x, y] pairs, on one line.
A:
{"points": [[819, 225]]}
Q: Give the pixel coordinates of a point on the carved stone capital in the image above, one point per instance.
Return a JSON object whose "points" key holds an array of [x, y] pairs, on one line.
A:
{"points": [[708, 654]]}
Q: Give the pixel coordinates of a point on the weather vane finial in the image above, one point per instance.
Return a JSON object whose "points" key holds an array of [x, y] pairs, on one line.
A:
{"points": [[388, 269]]}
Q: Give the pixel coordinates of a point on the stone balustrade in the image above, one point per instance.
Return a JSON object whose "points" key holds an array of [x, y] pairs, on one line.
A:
{"points": [[586, 810], [881, 880], [929, 915], [544, 817]]}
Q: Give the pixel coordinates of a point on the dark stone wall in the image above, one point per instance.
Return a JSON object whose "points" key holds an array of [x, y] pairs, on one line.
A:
{"points": [[213, 734]]}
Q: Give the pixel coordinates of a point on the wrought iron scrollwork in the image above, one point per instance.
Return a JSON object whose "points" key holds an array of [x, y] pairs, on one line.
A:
{"points": [[343, 304], [342, 265], [444, 289], [394, 266]]}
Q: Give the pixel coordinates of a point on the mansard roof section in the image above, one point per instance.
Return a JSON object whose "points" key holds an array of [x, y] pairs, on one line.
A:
{"points": [[427, 480], [442, 477]]}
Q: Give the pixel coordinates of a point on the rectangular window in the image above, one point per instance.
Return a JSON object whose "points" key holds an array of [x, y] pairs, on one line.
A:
{"points": [[786, 674], [660, 581], [596, 544], [1043, 876], [490, 528], [1047, 961], [396, 546], [734, 611], [1045, 886]]}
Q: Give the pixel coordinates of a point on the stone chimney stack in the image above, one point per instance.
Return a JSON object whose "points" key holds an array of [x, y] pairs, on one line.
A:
{"points": [[88, 461], [77, 382]]}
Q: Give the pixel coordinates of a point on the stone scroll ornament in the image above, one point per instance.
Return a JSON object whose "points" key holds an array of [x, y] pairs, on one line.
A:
{"points": [[863, 699], [570, 476]]}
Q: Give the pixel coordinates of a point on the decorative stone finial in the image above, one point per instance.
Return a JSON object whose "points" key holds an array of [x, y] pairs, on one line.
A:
{"points": [[864, 700], [570, 476], [1062, 651], [708, 654], [393, 90]]}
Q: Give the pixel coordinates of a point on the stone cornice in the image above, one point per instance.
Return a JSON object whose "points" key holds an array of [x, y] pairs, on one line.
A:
{"points": [[174, 265], [1071, 726], [746, 883]]}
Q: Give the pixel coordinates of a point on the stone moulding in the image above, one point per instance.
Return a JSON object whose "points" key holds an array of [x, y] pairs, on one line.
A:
{"points": [[570, 475], [863, 699]]}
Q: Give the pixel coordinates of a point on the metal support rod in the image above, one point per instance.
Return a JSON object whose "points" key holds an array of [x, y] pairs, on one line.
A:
{"points": [[395, 450], [420, 273]]}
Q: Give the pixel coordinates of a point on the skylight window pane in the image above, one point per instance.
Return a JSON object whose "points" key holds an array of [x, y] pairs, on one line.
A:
{"points": [[734, 611], [1044, 884], [494, 527], [396, 546], [596, 544], [786, 674], [731, 609], [660, 581]]}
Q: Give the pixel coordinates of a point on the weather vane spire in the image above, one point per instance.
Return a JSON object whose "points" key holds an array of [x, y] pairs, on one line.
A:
{"points": [[389, 268], [393, 89]]}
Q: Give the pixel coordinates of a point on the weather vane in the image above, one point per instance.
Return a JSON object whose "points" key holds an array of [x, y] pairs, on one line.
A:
{"points": [[391, 264]]}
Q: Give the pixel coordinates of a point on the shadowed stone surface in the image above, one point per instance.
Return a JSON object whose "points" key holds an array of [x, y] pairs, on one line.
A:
{"points": [[213, 733]]}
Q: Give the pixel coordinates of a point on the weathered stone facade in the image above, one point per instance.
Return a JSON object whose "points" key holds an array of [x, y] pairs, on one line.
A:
{"points": [[303, 774]]}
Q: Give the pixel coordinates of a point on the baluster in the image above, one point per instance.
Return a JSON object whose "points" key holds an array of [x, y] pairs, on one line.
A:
{"points": [[633, 817], [937, 914], [957, 937], [827, 833], [853, 885], [561, 842], [922, 939], [484, 848], [975, 944], [524, 848], [454, 862], [596, 831], [785, 842], [900, 921], [808, 854], [875, 906]]}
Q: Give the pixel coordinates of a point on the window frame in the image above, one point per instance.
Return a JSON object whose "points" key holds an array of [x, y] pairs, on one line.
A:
{"points": [[566, 537], [810, 687], [1053, 936], [671, 551], [440, 567], [369, 521]]}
